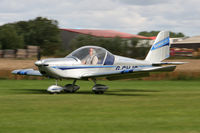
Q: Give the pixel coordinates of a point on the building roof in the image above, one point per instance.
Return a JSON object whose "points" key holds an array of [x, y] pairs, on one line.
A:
{"points": [[194, 39], [107, 33]]}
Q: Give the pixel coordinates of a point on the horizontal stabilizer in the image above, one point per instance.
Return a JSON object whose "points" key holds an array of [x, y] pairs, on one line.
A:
{"points": [[168, 63], [29, 72], [160, 69]]}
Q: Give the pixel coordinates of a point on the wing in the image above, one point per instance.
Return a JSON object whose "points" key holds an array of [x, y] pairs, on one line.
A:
{"points": [[29, 72], [130, 73]]}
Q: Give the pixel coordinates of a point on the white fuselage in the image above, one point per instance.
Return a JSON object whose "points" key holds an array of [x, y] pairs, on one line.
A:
{"points": [[73, 68]]}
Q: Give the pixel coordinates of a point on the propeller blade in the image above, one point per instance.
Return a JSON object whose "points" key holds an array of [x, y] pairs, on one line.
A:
{"points": [[39, 54]]}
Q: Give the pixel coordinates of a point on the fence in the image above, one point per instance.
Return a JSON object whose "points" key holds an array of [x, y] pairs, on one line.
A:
{"points": [[30, 52]]}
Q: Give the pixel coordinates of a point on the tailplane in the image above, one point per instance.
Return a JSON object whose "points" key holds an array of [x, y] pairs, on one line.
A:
{"points": [[160, 50]]}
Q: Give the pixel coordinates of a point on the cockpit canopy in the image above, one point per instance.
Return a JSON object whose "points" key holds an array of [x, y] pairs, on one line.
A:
{"points": [[93, 55]]}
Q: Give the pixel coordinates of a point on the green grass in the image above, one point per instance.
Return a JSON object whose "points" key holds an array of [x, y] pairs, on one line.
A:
{"points": [[127, 107]]}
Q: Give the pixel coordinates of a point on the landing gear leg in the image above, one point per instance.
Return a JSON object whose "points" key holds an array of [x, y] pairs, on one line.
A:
{"points": [[56, 81], [99, 88], [71, 88]]}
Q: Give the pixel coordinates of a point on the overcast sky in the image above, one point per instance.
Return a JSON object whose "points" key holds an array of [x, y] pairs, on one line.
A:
{"points": [[131, 16]]}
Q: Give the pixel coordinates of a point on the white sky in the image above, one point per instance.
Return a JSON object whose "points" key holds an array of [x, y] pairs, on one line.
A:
{"points": [[131, 16]]}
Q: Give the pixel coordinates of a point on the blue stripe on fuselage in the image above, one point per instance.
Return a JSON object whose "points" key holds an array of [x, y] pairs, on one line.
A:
{"points": [[122, 68], [80, 67]]}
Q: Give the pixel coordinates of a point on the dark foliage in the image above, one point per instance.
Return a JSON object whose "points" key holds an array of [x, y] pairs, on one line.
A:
{"points": [[40, 32]]}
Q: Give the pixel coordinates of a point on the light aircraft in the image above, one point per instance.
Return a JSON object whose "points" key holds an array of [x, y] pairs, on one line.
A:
{"points": [[91, 62]]}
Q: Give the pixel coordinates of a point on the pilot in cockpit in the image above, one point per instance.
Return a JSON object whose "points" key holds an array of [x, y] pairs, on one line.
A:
{"points": [[91, 59]]}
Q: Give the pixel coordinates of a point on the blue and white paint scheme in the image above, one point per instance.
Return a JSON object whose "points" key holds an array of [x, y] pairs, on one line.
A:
{"points": [[160, 50], [107, 65]]}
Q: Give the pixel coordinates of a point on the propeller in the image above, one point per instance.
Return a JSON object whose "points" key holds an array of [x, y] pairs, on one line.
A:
{"points": [[40, 62], [39, 54]]}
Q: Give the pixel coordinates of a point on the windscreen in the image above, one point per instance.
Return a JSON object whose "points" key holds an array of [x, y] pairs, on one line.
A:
{"points": [[90, 55]]}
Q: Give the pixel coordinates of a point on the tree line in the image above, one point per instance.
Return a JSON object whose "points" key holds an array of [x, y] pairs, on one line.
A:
{"points": [[120, 46], [154, 33], [45, 33]]}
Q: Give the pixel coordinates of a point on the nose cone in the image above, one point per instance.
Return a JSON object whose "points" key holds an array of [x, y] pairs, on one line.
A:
{"points": [[41, 63], [38, 63]]}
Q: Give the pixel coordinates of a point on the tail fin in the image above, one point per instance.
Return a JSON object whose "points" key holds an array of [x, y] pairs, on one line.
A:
{"points": [[160, 49]]}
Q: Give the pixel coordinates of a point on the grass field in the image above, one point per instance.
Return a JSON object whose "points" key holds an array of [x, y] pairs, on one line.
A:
{"points": [[127, 107]]}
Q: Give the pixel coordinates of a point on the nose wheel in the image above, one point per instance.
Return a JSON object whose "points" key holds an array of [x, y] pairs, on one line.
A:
{"points": [[55, 89], [99, 88]]}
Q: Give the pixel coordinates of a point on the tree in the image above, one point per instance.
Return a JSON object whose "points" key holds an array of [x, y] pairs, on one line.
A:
{"points": [[148, 34], [155, 33], [40, 32], [9, 39], [136, 51]]}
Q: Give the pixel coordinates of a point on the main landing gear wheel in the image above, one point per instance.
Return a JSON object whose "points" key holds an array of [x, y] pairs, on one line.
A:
{"points": [[71, 88], [99, 88]]}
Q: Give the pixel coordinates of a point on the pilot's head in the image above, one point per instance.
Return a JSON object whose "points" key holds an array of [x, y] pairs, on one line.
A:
{"points": [[92, 51]]}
